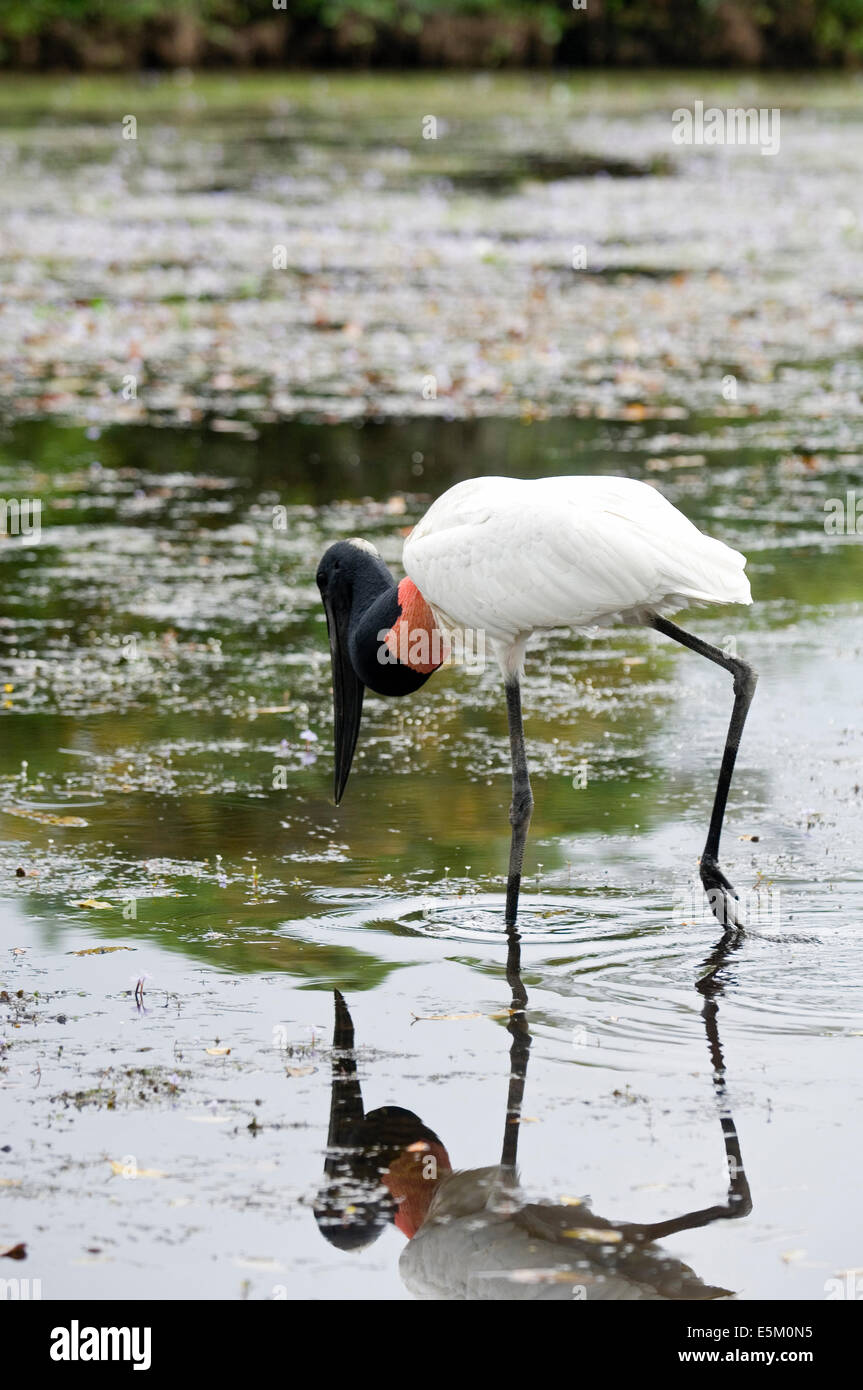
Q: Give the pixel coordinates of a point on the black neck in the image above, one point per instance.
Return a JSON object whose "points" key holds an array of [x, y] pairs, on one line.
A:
{"points": [[370, 657]]}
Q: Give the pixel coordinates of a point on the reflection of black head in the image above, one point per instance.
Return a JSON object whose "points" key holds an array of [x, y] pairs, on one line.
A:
{"points": [[353, 1206], [351, 1218]]}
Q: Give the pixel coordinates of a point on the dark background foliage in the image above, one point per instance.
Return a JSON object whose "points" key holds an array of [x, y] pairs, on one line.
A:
{"points": [[117, 34]]}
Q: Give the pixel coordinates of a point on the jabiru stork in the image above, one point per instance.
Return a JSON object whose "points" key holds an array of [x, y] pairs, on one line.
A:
{"points": [[508, 557]]}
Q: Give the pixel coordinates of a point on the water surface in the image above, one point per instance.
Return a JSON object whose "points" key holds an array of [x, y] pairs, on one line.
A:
{"points": [[165, 770]]}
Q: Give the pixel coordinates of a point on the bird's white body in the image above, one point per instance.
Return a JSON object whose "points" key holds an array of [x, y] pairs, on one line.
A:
{"points": [[509, 556]]}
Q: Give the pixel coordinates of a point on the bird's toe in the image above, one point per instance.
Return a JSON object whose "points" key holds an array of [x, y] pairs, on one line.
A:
{"points": [[721, 894]]}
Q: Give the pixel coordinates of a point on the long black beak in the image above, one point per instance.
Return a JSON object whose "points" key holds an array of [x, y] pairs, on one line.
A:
{"points": [[346, 1098], [347, 696]]}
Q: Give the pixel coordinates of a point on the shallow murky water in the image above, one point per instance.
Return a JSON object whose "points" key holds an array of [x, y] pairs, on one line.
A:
{"points": [[165, 778]]}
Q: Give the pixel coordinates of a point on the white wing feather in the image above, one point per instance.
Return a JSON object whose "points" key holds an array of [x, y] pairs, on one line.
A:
{"points": [[509, 556]]}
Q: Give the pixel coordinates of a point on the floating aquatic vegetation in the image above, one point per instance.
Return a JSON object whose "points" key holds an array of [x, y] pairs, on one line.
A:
{"points": [[343, 270]]}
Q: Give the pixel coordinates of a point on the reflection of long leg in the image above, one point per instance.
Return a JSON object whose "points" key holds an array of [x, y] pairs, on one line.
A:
{"points": [[522, 799], [716, 885], [518, 1059], [739, 1200], [710, 987]]}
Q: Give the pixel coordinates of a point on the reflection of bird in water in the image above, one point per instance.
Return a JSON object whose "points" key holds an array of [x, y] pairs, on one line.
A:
{"points": [[473, 1235], [507, 557]]}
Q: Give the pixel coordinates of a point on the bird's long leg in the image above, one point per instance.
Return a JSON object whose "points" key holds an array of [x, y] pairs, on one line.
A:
{"points": [[716, 885], [522, 799]]}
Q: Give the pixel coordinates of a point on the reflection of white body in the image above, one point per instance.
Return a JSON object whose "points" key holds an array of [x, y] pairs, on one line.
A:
{"points": [[508, 556], [480, 1240]]}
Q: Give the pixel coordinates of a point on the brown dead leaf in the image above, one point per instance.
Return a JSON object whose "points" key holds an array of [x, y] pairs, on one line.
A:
{"points": [[14, 1252], [218, 1051], [44, 817], [100, 950]]}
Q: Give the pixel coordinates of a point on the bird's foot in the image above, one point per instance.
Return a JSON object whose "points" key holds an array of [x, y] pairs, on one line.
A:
{"points": [[721, 894]]}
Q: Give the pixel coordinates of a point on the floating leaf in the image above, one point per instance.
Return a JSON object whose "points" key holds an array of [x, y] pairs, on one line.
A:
{"points": [[10, 1182], [93, 902], [44, 817], [458, 1018], [299, 1071], [443, 1018], [218, 1051], [100, 950], [129, 1170], [14, 1252]]}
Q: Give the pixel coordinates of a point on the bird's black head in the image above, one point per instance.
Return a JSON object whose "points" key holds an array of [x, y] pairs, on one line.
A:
{"points": [[364, 609]]}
